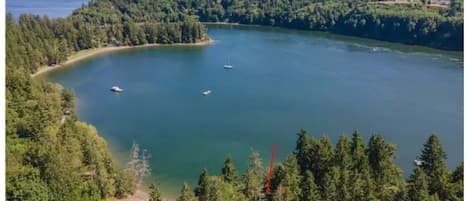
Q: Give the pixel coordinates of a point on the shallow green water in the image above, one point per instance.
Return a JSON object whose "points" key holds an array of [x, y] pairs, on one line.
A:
{"points": [[282, 81]]}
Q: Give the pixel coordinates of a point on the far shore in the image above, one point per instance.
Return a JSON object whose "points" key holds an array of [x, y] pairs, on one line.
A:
{"points": [[84, 54]]}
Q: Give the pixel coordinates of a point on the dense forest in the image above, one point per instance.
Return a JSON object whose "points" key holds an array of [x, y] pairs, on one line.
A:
{"points": [[52, 155], [34, 41], [353, 170], [414, 24]]}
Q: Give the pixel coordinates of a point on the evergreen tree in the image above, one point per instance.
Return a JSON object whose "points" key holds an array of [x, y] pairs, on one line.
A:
{"points": [[330, 191], [457, 180], [303, 150], [218, 189], [253, 178], [381, 156], [289, 187], [358, 153], [201, 190], [322, 156], [418, 186], [155, 194], [229, 171], [186, 194], [342, 153], [309, 189], [433, 157], [361, 186]]}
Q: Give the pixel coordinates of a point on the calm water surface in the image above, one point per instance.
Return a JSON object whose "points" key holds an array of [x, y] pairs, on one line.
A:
{"points": [[51, 8], [282, 81]]}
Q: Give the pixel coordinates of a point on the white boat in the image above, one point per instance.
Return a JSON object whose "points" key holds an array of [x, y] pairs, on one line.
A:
{"points": [[116, 89], [418, 162], [206, 93], [228, 65]]}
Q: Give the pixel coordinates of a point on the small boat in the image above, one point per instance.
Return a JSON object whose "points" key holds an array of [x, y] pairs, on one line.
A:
{"points": [[418, 162], [228, 65], [206, 93], [116, 89]]}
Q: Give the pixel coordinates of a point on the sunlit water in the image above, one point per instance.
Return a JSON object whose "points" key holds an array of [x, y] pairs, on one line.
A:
{"points": [[282, 81]]}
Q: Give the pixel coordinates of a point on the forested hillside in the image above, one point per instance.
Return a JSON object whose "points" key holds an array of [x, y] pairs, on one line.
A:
{"points": [[413, 24], [33, 41], [353, 170], [51, 155]]}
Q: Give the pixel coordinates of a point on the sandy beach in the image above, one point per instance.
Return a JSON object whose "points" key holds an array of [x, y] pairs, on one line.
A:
{"points": [[84, 54]]}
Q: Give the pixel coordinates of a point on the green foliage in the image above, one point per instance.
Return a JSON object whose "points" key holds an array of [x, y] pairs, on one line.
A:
{"points": [[186, 194], [218, 189], [418, 186], [433, 157], [202, 188], [34, 41], [289, 187], [155, 194], [309, 189], [48, 158], [410, 23], [253, 179], [229, 171]]}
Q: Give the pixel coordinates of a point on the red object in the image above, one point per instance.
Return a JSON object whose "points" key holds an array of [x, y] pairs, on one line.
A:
{"points": [[269, 176]]}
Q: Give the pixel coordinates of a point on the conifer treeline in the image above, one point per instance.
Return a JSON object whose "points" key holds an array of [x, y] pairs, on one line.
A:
{"points": [[350, 171], [413, 24], [33, 41]]}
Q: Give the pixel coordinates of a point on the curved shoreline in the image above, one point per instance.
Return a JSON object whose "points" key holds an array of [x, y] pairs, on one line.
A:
{"points": [[88, 53]]}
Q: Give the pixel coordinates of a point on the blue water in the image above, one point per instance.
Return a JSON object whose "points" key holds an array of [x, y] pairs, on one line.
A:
{"points": [[51, 8], [282, 81]]}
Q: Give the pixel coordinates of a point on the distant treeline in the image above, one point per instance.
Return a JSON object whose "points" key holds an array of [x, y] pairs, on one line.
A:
{"points": [[413, 24], [350, 171], [33, 41]]}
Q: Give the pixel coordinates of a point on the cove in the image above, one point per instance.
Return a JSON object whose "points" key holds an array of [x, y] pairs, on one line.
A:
{"points": [[282, 80]]}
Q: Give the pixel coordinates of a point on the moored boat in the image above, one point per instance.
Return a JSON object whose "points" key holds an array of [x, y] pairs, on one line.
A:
{"points": [[206, 93], [116, 89]]}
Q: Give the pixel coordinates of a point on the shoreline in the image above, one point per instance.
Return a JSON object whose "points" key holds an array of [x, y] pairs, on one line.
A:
{"points": [[347, 37], [88, 53]]}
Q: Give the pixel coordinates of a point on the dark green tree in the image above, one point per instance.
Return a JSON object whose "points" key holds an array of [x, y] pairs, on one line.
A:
{"points": [[289, 187], [201, 190], [433, 157], [229, 171], [309, 189], [418, 186]]}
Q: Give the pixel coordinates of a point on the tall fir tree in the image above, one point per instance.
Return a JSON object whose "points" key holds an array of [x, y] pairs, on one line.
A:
{"points": [[433, 157], [381, 156], [330, 185], [303, 150], [201, 190], [253, 179], [289, 187], [309, 189], [418, 186], [187, 194], [358, 153], [229, 171], [322, 156]]}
